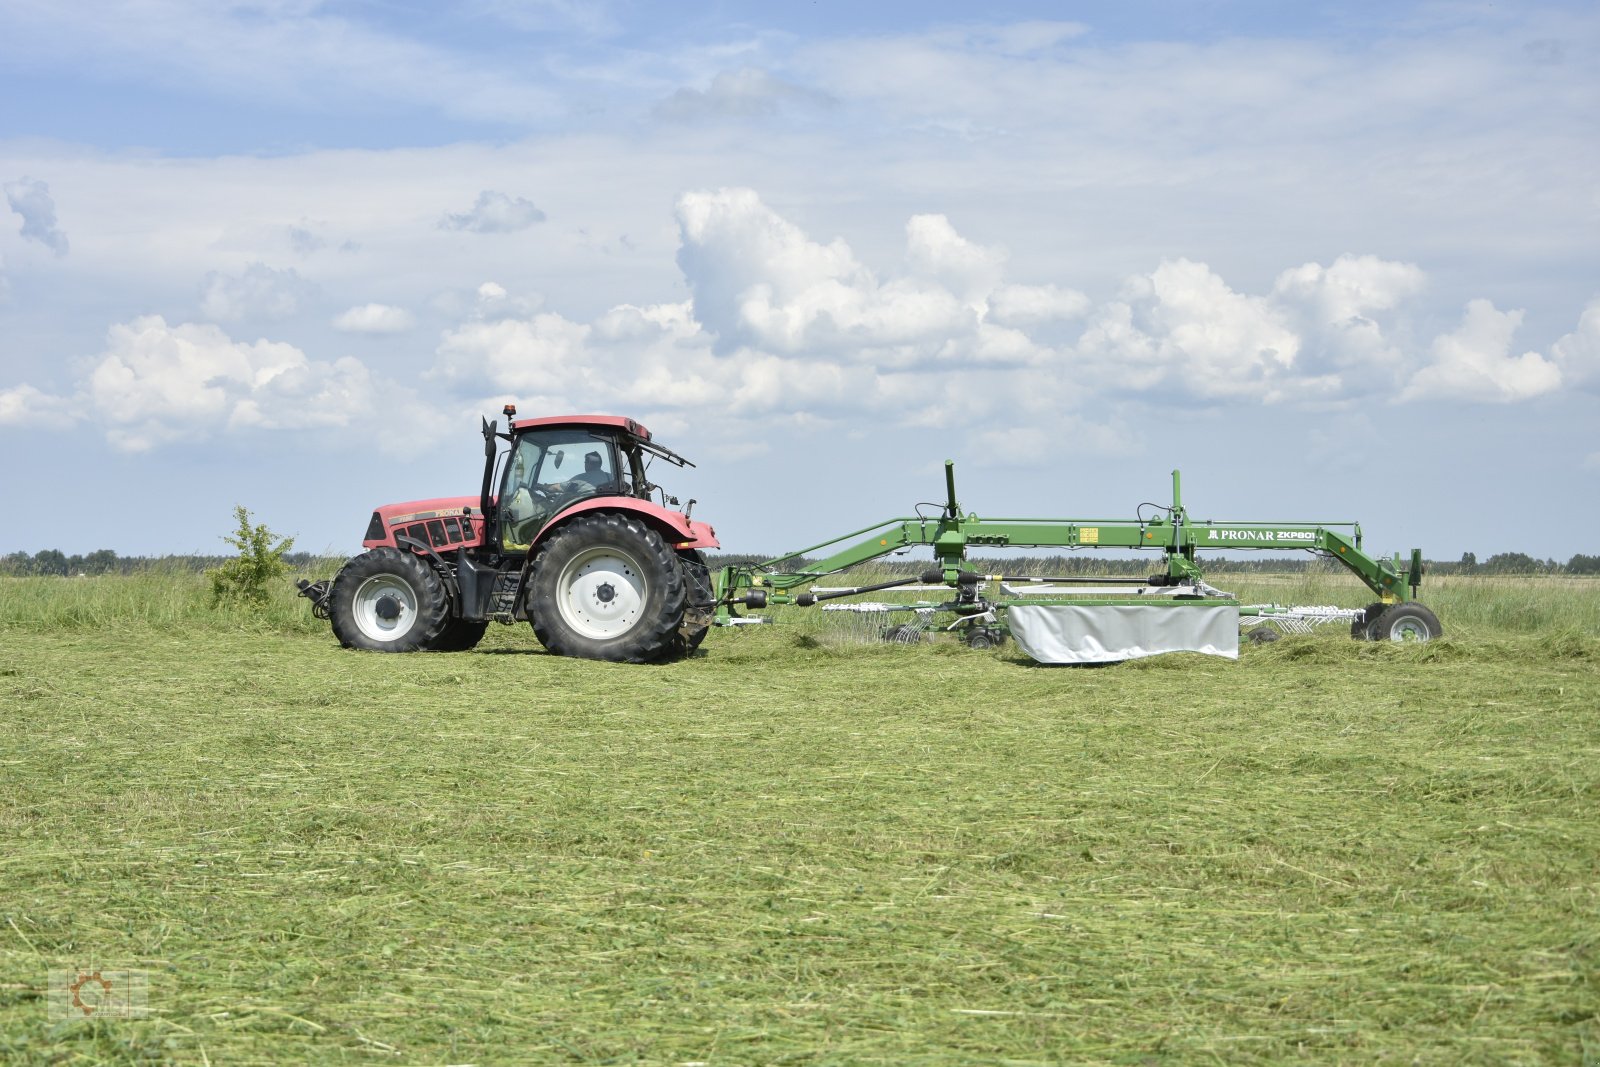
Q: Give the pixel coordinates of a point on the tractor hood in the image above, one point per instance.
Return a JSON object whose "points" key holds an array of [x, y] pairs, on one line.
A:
{"points": [[450, 522], [443, 522]]}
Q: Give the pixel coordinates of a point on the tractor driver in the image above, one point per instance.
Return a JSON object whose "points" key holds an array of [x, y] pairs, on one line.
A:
{"points": [[592, 474]]}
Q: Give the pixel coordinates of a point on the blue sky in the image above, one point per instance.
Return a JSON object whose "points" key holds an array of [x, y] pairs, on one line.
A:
{"points": [[1335, 261]]}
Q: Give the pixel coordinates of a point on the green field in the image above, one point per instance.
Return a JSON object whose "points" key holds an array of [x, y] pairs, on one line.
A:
{"points": [[800, 849]]}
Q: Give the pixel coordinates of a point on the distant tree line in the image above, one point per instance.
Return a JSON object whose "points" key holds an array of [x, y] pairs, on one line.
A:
{"points": [[104, 561], [52, 561]]}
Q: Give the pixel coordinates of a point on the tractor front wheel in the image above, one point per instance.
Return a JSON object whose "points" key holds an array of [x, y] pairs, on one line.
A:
{"points": [[388, 601], [606, 586]]}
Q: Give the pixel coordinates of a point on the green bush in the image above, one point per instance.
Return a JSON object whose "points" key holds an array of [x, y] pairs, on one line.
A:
{"points": [[248, 577]]}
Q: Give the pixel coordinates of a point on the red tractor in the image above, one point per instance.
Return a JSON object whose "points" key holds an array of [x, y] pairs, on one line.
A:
{"points": [[570, 539]]}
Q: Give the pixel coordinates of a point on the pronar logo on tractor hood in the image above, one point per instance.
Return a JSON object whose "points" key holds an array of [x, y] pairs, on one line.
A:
{"points": [[1215, 534]]}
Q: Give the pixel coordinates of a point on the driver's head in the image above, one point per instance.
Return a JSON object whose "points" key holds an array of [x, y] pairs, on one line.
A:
{"points": [[591, 462]]}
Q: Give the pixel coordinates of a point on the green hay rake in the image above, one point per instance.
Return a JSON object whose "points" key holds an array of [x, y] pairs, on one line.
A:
{"points": [[1084, 619]]}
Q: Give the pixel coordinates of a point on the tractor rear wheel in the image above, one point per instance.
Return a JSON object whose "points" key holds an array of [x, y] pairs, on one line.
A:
{"points": [[459, 635], [386, 600], [606, 586], [1409, 621], [701, 604]]}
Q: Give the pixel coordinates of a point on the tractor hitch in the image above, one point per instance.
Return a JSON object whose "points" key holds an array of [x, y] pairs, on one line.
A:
{"points": [[318, 593]]}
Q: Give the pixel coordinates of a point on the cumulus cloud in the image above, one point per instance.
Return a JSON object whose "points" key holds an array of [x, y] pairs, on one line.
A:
{"points": [[157, 383], [747, 93], [759, 281], [935, 250], [23, 405], [1474, 362], [780, 322], [1181, 328], [782, 327], [374, 318], [32, 201], [258, 292], [495, 212], [1035, 305], [1578, 353], [1340, 313]]}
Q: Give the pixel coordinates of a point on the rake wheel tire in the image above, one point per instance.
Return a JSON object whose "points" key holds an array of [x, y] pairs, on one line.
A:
{"points": [[982, 638], [606, 586], [387, 600], [1361, 623], [1408, 621], [904, 634]]}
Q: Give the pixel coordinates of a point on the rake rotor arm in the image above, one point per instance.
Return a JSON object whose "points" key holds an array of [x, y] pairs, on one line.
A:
{"points": [[1173, 532]]}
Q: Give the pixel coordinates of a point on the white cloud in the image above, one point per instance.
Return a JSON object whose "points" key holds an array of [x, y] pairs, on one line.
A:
{"points": [[542, 355], [1475, 362], [1338, 311], [258, 292], [1034, 305], [759, 281], [742, 94], [935, 250], [781, 322], [31, 200], [23, 405], [495, 212], [374, 318], [1578, 353], [158, 383], [1181, 328]]}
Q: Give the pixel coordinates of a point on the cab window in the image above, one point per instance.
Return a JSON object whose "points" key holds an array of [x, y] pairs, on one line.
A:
{"points": [[548, 470]]}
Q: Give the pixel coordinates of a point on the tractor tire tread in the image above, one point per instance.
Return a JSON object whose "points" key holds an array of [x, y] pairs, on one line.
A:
{"points": [[651, 640], [433, 604]]}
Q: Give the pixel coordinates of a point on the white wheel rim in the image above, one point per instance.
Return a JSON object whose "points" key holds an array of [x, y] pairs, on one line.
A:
{"points": [[601, 593], [370, 593], [1409, 630]]}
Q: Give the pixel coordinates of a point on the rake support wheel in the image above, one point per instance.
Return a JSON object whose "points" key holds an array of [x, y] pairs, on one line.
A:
{"points": [[1409, 621]]}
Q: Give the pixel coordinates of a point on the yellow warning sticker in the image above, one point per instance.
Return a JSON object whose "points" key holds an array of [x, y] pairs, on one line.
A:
{"points": [[1089, 535]]}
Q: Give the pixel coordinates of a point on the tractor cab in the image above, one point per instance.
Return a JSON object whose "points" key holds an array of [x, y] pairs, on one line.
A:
{"points": [[554, 464], [548, 469]]}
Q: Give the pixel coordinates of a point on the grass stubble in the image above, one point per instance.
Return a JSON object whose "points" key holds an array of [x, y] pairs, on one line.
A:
{"points": [[790, 850]]}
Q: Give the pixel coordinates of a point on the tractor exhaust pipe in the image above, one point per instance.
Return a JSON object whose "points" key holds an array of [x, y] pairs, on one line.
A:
{"points": [[489, 451]]}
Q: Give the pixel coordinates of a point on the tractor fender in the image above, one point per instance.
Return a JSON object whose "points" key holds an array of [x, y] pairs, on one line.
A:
{"points": [[678, 531]]}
